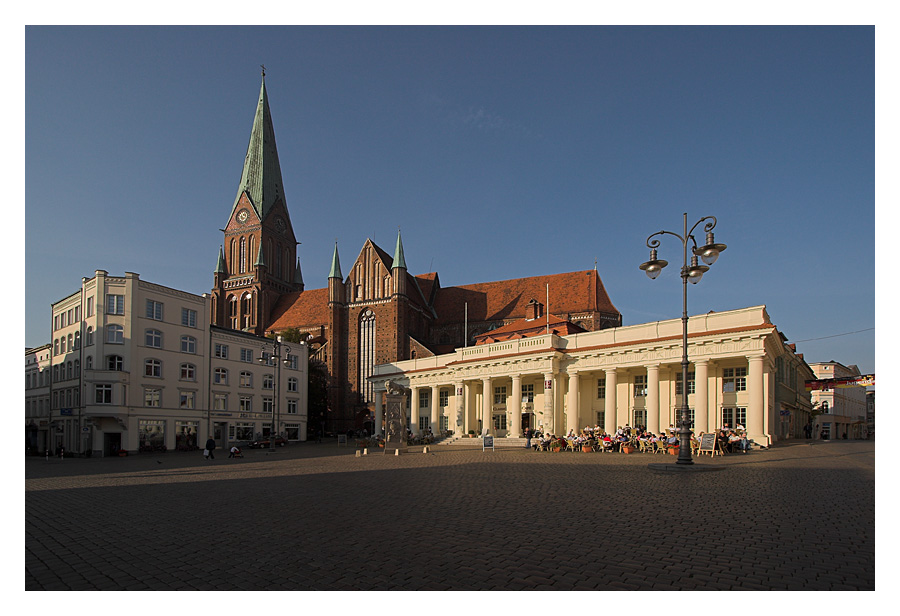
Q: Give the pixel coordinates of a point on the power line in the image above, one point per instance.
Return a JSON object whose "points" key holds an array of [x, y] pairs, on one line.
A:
{"points": [[868, 329]]}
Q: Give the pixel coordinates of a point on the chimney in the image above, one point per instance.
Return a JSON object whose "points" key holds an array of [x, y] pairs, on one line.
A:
{"points": [[534, 310]]}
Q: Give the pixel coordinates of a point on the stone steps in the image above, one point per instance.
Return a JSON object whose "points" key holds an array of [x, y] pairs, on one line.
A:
{"points": [[502, 441]]}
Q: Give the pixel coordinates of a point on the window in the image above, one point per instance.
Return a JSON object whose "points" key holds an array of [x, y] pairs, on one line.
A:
{"points": [[88, 363], [56, 372], [186, 399], [292, 384], [267, 359], [246, 404], [244, 432], [424, 399], [115, 334], [691, 384], [56, 322], [246, 379], [77, 368], [291, 362], [640, 417], [444, 398], [68, 370], [267, 405], [500, 395], [114, 363], [528, 393], [153, 367], [188, 344], [247, 355], [154, 310], [676, 416], [62, 345], [220, 376], [220, 402], [601, 389], [601, 418], [188, 372], [500, 422], [77, 340], [152, 397], [366, 355], [89, 336], [221, 350], [292, 407], [153, 338], [102, 393], [268, 381], [734, 379], [188, 317], [825, 406], [733, 417], [90, 306], [115, 304], [640, 385]]}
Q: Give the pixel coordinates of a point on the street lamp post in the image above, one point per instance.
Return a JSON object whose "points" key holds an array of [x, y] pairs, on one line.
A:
{"points": [[692, 273], [277, 347]]}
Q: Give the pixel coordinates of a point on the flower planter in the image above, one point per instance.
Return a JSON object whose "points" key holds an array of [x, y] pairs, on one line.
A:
{"points": [[586, 448], [555, 449], [673, 451], [627, 449]]}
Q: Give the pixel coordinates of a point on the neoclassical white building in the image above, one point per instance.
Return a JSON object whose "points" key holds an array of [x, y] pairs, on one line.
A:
{"points": [[741, 371], [135, 365]]}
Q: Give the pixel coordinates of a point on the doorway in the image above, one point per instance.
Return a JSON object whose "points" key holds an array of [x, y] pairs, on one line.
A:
{"points": [[500, 424], [112, 443], [220, 429]]}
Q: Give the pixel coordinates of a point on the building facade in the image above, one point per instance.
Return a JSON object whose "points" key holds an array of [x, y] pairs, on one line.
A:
{"points": [[38, 430], [135, 366], [627, 375], [843, 409]]}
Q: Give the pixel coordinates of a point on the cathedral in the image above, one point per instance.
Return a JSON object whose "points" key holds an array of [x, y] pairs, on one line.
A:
{"points": [[378, 312]]}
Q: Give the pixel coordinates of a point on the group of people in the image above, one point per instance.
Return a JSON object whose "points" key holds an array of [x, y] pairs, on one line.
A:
{"points": [[727, 440]]}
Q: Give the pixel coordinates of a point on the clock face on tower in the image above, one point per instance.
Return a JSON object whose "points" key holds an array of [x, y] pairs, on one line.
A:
{"points": [[243, 215], [280, 225]]}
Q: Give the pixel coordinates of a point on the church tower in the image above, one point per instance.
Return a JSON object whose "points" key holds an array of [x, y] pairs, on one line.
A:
{"points": [[257, 260]]}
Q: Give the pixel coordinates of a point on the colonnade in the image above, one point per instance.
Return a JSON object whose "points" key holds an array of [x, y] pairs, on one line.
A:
{"points": [[569, 388]]}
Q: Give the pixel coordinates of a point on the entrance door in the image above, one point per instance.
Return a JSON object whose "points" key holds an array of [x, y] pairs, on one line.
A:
{"points": [[220, 429], [112, 443], [499, 424], [527, 421]]}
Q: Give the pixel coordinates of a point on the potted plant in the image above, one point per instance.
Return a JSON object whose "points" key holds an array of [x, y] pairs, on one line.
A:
{"points": [[587, 447], [471, 434], [628, 448]]}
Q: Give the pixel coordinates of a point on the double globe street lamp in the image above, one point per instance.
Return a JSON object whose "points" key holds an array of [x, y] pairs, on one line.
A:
{"points": [[278, 347], [692, 273]]}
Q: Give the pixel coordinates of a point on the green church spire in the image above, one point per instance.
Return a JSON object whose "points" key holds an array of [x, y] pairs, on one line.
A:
{"points": [[220, 265], [335, 265], [399, 259]]}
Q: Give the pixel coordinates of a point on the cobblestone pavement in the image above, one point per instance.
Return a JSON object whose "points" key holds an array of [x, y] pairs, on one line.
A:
{"points": [[315, 517]]}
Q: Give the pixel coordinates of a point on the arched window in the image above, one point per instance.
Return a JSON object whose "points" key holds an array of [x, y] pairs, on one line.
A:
{"points": [[77, 340], [243, 257], [56, 373], [69, 345], [62, 345], [245, 309], [366, 355], [89, 336], [115, 334], [220, 376], [152, 367], [77, 368], [69, 370], [88, 363], [56, 347], [233, 254], [188, 372]]}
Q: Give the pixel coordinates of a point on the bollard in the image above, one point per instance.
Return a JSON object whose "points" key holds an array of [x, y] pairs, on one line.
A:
{"points": [[366, 451], [358, 453], [396, 452], [425, 450]]}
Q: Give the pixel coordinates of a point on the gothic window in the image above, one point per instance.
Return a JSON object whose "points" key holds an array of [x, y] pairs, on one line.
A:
{"points": [[366, 354], [387, 286], [243, 256], [277, 270]]}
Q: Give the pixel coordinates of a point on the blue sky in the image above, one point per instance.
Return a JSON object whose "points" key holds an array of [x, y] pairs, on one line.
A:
{"points": [[501, 152]]}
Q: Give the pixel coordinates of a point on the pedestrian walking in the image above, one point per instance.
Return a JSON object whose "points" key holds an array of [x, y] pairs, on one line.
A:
{"points": [[210, 446], [527, 438]]}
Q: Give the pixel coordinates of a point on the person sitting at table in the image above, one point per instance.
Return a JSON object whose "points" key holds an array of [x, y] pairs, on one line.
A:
{"points": [[744, 442], [672, 441], [734, 441], [607, 441]]}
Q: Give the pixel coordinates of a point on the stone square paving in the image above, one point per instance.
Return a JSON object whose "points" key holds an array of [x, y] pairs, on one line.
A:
{"points": [[311, 516]]}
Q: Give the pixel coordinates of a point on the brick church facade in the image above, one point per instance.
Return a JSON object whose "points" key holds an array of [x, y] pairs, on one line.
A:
{"points": [[376, 312]]}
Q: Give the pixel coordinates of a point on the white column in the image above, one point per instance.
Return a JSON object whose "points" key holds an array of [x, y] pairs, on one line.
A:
{"points": [[701, 396], [548, 403], [468, 416], [379, 419], [456, 423], [653, 398], [487, 400], [435, 410], [414, 410], [572, 404], [610, 410], [755, 422], [515, 406]]}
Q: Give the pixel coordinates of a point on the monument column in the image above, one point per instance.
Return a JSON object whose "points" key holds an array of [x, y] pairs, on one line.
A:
{"points": [[653, 398], [515, 406], [610, 410], [378, 413]]}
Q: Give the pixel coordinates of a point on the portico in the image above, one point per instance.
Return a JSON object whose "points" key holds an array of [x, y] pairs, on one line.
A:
{"points": [[628, 375]]}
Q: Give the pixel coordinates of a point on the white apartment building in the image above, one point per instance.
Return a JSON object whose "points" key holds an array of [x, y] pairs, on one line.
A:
{"points": [[37, 398], [135, 366], [741, 372], [843, 408]]}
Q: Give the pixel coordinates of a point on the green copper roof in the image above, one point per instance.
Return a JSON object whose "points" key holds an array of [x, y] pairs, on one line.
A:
{"points": [[261, 177], [399, 259], [259, 257], [336, 265], [220, 265]]}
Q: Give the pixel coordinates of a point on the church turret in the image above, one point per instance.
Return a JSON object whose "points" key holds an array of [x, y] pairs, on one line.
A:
{"points": [[398, 268], [298, 277]]}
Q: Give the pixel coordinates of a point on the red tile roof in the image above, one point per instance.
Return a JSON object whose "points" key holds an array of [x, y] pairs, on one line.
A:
{"points": [[527, 329], [301, 309], [574, 292]]}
